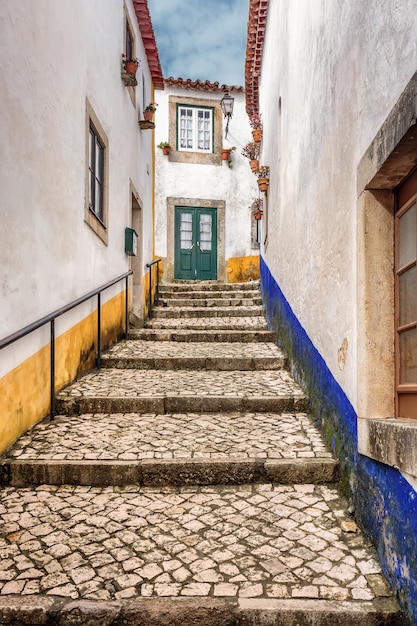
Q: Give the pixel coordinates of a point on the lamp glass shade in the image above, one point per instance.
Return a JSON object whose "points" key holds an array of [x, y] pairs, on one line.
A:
{"points": [[227, 103]]}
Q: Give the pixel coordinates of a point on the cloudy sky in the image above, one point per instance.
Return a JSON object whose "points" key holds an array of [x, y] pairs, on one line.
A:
{"points": [[201, 39]]}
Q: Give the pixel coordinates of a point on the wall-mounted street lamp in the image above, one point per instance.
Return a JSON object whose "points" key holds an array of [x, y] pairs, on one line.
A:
{"points": [[227, 103]]}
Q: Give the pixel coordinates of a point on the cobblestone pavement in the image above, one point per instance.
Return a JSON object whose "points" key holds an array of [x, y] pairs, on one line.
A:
{"points": [[211, 323], [198, 436], [208, 536], [202, 301], [193, 312], [137, 383], [163, 349], [257, 541]]}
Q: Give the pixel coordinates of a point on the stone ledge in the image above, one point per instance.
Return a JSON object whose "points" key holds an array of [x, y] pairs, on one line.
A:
{"points": [[194, 611], [391, 441], [157, 473]]}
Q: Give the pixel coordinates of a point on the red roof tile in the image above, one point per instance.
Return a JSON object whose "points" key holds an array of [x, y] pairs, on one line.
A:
{"points": [[148, 37], [187, 83], [258, 10]]}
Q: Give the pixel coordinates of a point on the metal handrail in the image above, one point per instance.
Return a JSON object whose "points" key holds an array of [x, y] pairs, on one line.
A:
{"points": [[156, 299], [51, 317]]}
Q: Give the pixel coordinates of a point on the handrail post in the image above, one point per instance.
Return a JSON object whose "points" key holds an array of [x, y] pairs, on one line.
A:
{"points": [[99, 330], [52, 370], [157, 283], [126, 309], [150, 292]]}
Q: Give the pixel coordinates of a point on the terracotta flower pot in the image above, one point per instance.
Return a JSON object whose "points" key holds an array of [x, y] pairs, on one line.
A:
{"points": [[257, 135], [148, 115], [131, 67], [225, 154], [254, 165], [166, 150], [263, 184], [258, 214]]}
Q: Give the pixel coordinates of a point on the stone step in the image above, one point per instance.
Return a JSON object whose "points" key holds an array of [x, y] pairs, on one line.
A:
{"points": [[212, 336], [216, 555], [160, 312], [186, 611], [247, 324], [181, 356], [247, 294], [112, 390], [167, 473], [174, 449], [209, 302], [207, 287]]}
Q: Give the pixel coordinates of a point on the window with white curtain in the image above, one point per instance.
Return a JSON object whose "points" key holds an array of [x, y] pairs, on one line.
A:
{"points": [[195, 129], [205, 232]]}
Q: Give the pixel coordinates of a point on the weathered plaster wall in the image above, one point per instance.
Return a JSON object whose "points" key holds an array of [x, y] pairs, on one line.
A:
{"points": [[48, 254], [215, 181], [67, 54], [324, 93], [332, 73]]}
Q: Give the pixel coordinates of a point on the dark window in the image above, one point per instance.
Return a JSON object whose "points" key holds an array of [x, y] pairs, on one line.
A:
{"points": [[130, 48], [96, 177]]}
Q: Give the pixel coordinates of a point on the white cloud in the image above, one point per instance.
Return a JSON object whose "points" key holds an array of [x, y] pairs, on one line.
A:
{"points": [[201, 39]]}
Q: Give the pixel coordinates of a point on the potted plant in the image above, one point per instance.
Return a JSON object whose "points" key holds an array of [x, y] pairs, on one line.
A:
{"points": [[251, 152], [149, 111], [226, 155], [263, 178], [255, 122], [165, 147], [257, 208], [130, 65]]}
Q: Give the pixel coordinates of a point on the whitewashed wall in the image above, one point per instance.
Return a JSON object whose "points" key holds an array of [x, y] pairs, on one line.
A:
{"points": [[54, 55], [236, 186], [331, 72]]}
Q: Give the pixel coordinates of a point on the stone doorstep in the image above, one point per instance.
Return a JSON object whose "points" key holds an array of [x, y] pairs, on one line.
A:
{"points": [[48, 610], [159, 473], [203, 312], [70, 405], [206, 286], [194, 363], [227, 336]]}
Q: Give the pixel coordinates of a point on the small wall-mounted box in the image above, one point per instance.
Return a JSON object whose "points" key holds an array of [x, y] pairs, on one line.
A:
{"points": [[131, 241]]}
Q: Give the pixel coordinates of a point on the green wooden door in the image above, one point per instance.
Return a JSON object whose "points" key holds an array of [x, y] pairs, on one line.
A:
{"points": [[195, 243]]}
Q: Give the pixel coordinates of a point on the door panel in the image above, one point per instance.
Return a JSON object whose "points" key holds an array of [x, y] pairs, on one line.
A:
{"points": [[195, 244]]}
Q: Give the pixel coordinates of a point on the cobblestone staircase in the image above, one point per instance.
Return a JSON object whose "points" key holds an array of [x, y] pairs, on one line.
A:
{"points": [[184, 484]]}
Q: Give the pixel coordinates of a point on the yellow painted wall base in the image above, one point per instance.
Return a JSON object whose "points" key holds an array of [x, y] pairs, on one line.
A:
{"points": [[242, 269], [25, 390]]}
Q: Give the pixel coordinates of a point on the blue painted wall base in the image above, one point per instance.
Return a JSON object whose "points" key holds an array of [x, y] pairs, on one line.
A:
{"points": [[385, 503]]}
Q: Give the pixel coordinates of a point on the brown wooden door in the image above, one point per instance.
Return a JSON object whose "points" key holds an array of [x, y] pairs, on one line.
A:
{"points": [[406, 298]]}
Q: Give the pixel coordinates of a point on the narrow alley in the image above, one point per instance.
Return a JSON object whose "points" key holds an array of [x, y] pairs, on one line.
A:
{"points": [[208, 313], [185, 483]]}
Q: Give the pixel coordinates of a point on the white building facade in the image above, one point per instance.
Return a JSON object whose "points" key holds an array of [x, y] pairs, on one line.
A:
{"points": [[204, 226], [336, 86], [76, 171]]}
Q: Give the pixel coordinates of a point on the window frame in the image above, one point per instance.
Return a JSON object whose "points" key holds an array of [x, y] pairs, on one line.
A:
{"points": [[96, 157], [188, 156], [96, 220], [195, 130], [129, 49]]}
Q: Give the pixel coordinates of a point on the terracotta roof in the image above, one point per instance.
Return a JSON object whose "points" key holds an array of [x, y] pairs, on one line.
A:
{"points": [[205, 85], [148, 37], [258, 10]]}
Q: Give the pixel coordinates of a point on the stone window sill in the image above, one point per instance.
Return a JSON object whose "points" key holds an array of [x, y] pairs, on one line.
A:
{"points": [[391, 441]]}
